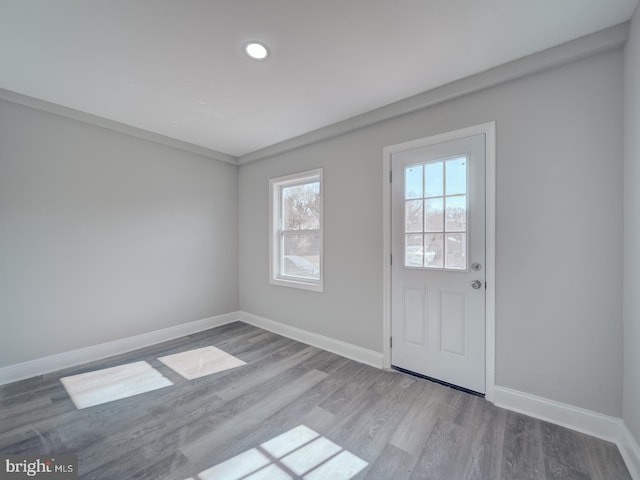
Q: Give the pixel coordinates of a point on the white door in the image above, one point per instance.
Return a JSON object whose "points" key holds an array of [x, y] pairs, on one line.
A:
{"points": [[438, 261]]}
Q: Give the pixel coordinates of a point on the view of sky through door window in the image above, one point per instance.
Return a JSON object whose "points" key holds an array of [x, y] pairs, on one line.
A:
{"points": [[435, 223]]}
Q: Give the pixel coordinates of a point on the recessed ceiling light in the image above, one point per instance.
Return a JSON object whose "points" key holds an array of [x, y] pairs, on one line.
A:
{"points": [[256, 50]]}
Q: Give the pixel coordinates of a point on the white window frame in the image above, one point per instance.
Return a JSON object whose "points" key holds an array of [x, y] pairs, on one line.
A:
{"points": [[275, 237]]}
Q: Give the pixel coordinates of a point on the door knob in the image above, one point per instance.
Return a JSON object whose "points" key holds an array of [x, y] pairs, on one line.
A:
{"points": [[476, 284]]}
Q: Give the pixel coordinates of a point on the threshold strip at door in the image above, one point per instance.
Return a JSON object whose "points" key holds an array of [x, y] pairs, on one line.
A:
{"points": [[441, 382]]}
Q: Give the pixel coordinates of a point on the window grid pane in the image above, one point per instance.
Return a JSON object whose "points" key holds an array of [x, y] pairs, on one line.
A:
{"points": [[433, 250], [413, 183], [414, 213], [456, 213], [414, 248], [456, 251], [433, 215], [300, 206], [300, 255], [434, 179]]}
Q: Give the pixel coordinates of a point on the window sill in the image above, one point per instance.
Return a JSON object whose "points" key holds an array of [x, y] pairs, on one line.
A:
{"points": [[301, 284]]}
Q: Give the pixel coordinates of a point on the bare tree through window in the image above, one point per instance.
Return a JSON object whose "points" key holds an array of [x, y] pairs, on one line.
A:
{"points": [[301, 230]]}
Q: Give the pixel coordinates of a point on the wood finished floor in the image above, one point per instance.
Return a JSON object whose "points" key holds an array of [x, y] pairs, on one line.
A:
{"points": [[404, 427]]}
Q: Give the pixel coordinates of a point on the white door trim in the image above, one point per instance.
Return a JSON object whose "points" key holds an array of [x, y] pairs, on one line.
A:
{"points": [[489, 130]]}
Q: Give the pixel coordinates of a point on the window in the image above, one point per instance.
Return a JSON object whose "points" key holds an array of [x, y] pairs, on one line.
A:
{"points": [[435, 227], [296, 230]]}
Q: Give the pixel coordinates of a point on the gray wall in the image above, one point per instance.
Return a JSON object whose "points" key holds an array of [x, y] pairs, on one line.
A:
{"points": [[632, 231], [103, 236], [559, 238]]}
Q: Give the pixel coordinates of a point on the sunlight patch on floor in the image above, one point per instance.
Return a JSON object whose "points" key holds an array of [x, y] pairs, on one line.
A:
{"points": [[200, 362], [299, 453], [109, 384]]}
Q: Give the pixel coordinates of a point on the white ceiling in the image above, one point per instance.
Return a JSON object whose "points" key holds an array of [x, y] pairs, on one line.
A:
{"points": [[177, 68]]}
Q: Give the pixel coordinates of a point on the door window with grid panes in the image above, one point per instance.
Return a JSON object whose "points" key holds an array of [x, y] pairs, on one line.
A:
{"points": [[435, 214]]}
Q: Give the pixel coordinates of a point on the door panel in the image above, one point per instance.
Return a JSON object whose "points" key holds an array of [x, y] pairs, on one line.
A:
{"points": [[415, 316], [438, 232], [453, 324]]}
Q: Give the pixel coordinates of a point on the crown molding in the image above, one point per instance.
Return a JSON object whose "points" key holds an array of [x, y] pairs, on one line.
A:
{"points": [[91, 119], [599, 42]]}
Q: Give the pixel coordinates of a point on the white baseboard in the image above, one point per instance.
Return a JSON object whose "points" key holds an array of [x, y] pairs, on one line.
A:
{"points": [[630, 451], [611, 429], [576, 418], [51, 363], [329, 344]]}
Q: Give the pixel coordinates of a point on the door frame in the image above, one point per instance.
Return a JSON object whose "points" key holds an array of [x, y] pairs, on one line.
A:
{"points": [[489, 130]]}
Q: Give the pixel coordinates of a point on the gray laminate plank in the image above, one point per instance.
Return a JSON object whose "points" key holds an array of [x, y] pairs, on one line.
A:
{"points": [[561, 457], [366, 431], [250, 343], [414, 428], [604, 460], [318, 419], [392, 463], [487, 442], [523, 457], [148, 465], [351, 392], [438, 458], [260, 375], [21, 386], [30, 394], [21, 420]]}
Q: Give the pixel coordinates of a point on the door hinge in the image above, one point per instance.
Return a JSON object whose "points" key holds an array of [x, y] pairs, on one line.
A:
{"points": [[390, 176], [390, 342], [485, 285], [390, 259]]}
